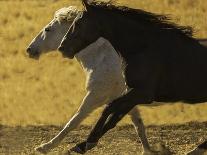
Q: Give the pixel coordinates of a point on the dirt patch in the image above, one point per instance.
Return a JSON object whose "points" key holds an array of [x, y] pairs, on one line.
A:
{"points": [[121, 140]]}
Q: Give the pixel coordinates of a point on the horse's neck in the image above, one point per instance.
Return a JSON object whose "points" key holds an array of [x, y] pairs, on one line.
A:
{"points": [[96, 54], [104, 69]]}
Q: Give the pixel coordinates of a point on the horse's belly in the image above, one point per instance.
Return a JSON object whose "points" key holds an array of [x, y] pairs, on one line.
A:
{"points": [[186, 87]]}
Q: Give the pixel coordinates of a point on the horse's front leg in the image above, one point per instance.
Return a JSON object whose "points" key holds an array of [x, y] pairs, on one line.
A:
{"points": [[111, 115], [89, 103]]}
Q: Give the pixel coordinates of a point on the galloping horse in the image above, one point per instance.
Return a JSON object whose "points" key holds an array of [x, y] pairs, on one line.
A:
{"points": [[104, 70], [164, 63]]}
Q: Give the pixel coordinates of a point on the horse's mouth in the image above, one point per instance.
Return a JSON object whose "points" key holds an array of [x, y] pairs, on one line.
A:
{"points": [[66, 54], [34, 55]]}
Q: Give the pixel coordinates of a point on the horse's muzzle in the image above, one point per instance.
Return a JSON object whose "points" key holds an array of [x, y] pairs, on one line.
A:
{"points": [[61, 48], [33, 54]]}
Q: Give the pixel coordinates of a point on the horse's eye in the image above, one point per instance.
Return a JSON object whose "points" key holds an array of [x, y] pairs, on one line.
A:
{"points": [[47, 29]]}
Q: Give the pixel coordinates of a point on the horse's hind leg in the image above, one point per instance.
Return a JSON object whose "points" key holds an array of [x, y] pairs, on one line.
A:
{"points": [[89, 103], [140, 129], [200, 150]]}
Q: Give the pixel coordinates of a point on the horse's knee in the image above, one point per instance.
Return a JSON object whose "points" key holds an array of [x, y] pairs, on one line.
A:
{"points": [[113, 120], [89, 104], [136, 119], [109, 108]]}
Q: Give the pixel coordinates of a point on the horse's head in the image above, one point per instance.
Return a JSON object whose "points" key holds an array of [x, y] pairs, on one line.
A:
{"points": [[84, 31], [49, 38]]}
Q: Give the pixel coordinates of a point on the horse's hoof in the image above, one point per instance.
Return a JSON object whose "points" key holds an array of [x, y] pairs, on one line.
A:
{"points": [[41, 150], [44, 148], [149, 152], [89, 146], [158, 150], [77, 150], [163, 150]]}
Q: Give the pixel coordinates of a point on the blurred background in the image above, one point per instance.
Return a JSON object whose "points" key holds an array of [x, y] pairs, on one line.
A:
{"points": [[50, 90]]}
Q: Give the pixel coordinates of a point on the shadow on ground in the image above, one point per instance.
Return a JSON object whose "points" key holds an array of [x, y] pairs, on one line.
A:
{"points": [[121, 140]]}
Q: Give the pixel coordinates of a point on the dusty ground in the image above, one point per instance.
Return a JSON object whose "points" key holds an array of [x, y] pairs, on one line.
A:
{"points": [[122, 140]]}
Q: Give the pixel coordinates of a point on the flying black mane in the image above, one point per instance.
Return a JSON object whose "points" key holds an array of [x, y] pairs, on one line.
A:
{"points": [[160, 21]]}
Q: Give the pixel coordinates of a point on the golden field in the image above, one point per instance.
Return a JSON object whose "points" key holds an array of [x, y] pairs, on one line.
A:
{"points": [[49, 91]]}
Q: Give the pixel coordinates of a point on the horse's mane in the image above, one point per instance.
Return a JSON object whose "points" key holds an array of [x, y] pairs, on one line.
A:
{"points": [[66, 13], [161, 21]]}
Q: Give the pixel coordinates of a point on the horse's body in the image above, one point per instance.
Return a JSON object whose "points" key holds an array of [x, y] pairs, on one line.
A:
{"points": [[164, 62], [173, 62], [104, 69], [169, 68]]}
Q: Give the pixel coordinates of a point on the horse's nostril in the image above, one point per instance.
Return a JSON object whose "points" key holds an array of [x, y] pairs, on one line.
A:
{"points": [[28, 49]]}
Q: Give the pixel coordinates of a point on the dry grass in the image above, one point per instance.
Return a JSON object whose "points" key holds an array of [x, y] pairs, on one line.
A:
{"points": [[122, 140], [49, 91]]}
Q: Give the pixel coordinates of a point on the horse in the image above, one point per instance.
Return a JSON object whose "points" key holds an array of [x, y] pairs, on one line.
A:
{"points": [[164, 63], [104, 69]]}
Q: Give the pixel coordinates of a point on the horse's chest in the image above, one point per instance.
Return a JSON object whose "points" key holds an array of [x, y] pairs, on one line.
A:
{"points": [[105, 75]]}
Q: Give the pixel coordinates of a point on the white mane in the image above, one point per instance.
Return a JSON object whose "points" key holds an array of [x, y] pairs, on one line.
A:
{"points": [[67, 13]]}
